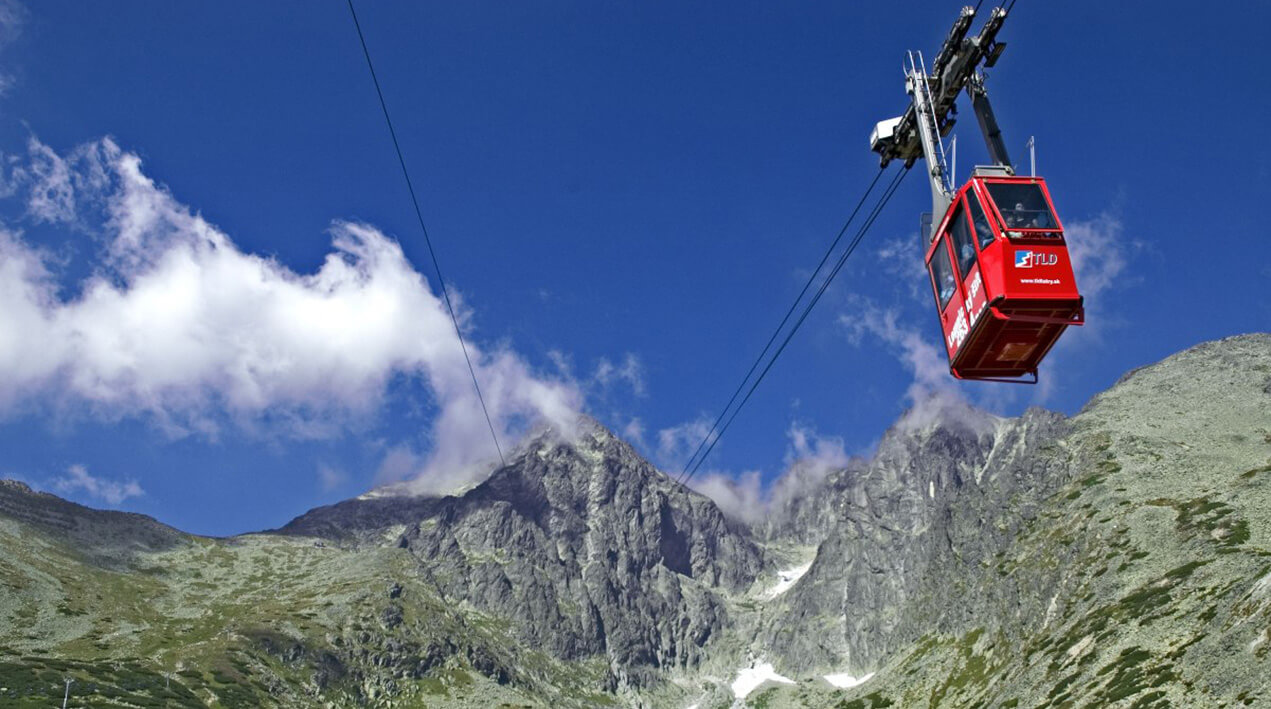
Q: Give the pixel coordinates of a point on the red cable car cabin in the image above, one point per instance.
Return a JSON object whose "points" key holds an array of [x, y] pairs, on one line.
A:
{"points": [[1002, 278]]}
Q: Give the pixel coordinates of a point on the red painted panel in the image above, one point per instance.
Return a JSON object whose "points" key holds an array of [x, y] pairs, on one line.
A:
{"points": [[1019, 296]]}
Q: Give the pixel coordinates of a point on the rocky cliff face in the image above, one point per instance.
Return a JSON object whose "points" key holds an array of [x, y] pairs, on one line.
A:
{"points": [[1119, 557], [929, 501], [589, 550], [1122, 556]]}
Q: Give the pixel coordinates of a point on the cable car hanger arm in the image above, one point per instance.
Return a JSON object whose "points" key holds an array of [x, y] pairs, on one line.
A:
{"points": [[930, 114]]}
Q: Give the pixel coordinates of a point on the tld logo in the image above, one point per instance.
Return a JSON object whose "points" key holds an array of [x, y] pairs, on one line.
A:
{"points": [[1028, 259]]}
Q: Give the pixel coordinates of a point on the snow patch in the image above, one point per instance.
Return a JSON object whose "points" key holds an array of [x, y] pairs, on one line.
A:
{"points": [[843, 680], [749, 678], [787, 578]]}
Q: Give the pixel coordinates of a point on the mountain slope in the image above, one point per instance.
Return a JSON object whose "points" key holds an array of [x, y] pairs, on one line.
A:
{"points": [[1121, 557], [1135, 568], [897, 518], [588, 549], [251, 621], [576, 572], [105, 536]]}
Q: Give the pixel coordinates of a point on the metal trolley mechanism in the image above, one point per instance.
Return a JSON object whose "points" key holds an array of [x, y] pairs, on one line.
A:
{"points": [[996, 253]]}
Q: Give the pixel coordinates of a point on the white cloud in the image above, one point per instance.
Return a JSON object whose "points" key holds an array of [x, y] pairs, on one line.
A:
{"points": [[934, 396], [1099, 252], [809, 459], [901, 259], [633, 432], [181, 327], [631, 371], [677, 444], [52, 196], [932, 393], [400, 462], [57, 188], [111, 492], [563, 363], [12, 18], [1101, 255], [740, 497], [744, 497], [329, 478], [812, 451]]}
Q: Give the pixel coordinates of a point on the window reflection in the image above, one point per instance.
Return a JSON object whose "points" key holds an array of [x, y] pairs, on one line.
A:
{"points": [[983, 232], [962, 243], [942, 274], [1022, 205]]}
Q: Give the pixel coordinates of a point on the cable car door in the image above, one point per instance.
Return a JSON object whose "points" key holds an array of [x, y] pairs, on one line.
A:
{"points": [[953, 320], [967, 260]]}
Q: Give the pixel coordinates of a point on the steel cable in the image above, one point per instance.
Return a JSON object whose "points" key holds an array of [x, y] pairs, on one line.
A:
{"points": [[441, 283], [784, 320], [838, 266]]}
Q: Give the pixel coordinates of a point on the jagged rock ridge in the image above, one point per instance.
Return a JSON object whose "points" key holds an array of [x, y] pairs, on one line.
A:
{"points": [[892, 525], [1120, 556], [1123, 555], [588, 548]]}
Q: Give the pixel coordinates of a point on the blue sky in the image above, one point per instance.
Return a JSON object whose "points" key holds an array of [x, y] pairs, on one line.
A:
{"points": [[626, 198]]}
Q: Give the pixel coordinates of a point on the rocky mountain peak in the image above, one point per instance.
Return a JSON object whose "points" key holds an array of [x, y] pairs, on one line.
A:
{"points": [[884, 525], [1116, 556], [105, 537], [16, 486], [590, 549]]}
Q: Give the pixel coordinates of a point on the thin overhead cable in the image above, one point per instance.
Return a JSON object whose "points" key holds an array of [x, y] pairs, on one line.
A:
{"points": [[838, 266], [783, 322], [878, 207], [441, 283]]}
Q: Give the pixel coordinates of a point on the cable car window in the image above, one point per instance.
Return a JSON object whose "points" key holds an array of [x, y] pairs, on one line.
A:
{"points": [[942, 274], [983, 232], [962, 241], [1022, 205]]}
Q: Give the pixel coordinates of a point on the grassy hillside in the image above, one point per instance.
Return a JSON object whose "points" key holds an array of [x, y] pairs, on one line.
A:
{"points": [[1152, 564], [250, 621], [1140, 577]]}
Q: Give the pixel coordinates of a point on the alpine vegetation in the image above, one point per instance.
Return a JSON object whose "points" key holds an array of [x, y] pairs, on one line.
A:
{"points": [[1118, 556]]}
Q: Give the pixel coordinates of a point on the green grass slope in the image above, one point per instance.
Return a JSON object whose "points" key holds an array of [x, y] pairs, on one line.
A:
{"points": [[258, 620], [1143, 581], [1152, 564]]}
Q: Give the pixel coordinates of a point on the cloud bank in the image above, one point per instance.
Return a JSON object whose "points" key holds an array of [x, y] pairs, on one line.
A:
{"points": [[178, 326], [1100, 253], [932, 394], [809, 458], [78, 479]]}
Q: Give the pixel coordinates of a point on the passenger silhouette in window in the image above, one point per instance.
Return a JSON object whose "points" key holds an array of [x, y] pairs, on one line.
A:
{"points": [[943, 278], [1029, 211], [963, 241], [983, 232]]}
